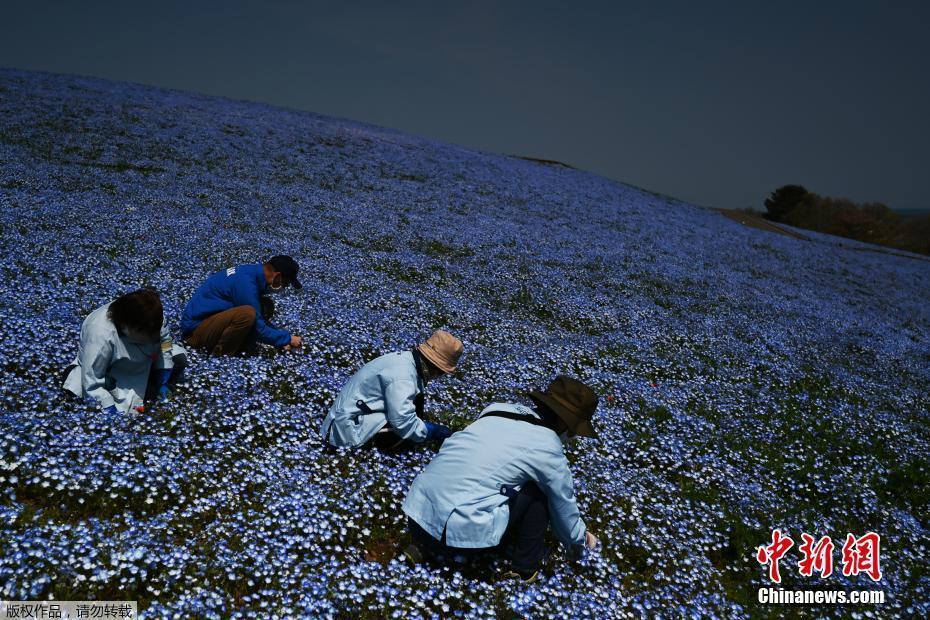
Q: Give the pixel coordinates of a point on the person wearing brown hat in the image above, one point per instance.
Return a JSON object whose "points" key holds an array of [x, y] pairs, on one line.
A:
{"points": [[500, 482], [384, 398]]}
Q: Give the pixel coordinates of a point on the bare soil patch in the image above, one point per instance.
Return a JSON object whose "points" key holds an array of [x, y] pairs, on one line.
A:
{"points": [[755, 221]]}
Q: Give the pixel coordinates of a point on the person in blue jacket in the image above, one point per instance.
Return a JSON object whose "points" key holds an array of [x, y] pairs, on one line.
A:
{"points": [[500, 482], [383, 401], [225, 312]]}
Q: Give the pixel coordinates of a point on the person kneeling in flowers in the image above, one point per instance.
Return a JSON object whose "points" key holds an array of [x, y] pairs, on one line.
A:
{"points": [[383, 401], [226, 312], [497, 484], [126, 355]]}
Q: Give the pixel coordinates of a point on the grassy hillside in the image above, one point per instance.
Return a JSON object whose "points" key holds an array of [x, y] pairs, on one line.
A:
{"points": [[748, 381]]}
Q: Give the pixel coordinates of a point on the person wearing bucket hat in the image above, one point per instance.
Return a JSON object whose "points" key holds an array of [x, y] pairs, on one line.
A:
{"points": [[573, 402], [226, 314], [382, 403], [498, 484]]}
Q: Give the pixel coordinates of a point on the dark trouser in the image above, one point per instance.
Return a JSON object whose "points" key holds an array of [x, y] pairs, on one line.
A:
{"points": [[224, 333], [386, 440], [154, 382], [523, 541], [526, 529]]}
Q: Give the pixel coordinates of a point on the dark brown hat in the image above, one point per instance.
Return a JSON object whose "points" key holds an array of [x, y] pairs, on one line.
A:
{"points": [[571, 400]]}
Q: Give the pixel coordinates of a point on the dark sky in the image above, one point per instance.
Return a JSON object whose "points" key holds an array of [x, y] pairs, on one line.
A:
{"points": [[714, 103]]}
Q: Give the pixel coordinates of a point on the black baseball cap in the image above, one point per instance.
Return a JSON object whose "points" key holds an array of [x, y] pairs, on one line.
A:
{"points": [[288, 268]]}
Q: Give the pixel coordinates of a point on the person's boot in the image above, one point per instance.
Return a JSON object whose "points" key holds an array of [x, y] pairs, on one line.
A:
{"points": [[526, 577], [413, 555]]}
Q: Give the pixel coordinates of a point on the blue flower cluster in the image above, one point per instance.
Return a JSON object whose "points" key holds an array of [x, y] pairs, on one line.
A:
{"points": [[748, 381]]}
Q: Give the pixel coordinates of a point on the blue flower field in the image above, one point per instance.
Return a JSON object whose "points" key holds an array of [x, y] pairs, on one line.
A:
{"points": [[749, 380]]}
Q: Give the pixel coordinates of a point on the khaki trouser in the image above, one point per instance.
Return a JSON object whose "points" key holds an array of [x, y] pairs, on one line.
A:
{"points": [[224, 332]]}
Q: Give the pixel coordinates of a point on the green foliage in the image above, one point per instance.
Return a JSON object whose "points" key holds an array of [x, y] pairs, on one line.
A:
{"points": [[439, 249], [871, 222], [914, 233], [908, 487], [783, 200]]}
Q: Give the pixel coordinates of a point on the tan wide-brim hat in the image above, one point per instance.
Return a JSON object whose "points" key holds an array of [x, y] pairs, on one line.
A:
{"points": [[571, 400], [443, 350]]}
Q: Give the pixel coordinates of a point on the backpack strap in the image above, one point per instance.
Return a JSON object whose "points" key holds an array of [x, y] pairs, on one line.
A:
{"points": [[418, 400], [515, 416], [511, 492]]}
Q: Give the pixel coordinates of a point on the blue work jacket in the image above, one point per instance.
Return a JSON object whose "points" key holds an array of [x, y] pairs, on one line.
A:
{"points": [[237, 286], [388, 385], [463, 489]]}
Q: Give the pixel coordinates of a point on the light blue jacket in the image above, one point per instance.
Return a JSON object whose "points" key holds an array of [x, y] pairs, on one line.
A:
{"points": [[112, 369], [388, 385], [460, 490]]}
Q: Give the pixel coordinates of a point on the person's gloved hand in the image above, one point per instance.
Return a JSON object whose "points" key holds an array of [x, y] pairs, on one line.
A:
{"points": [[111, 410], [164, 375], [576, 552], [437, 432]]}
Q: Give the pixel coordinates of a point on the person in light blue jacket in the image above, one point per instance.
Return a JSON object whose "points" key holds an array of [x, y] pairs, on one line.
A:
{"points": [[384, 398], [126, 355], [502, 480]]}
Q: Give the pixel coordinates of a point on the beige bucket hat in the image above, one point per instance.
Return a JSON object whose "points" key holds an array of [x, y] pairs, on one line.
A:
{"points": [[443, 350]]}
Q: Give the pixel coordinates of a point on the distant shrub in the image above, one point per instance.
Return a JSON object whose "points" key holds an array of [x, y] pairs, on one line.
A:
{"points": [[872, 222], [783, 200], [914, 233]]}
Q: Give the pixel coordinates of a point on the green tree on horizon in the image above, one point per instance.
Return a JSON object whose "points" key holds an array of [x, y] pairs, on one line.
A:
{"points": [[872, 222], [783, 200]]}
